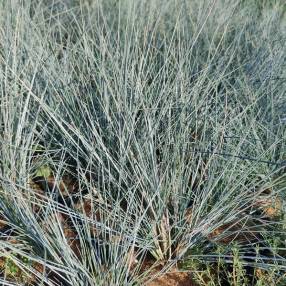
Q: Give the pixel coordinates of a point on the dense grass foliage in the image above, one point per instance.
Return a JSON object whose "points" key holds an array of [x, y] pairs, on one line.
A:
{"points": [[134, 131]]}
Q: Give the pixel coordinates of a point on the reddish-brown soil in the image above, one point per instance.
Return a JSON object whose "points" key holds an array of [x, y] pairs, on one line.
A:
{"points": [[173, 277]]}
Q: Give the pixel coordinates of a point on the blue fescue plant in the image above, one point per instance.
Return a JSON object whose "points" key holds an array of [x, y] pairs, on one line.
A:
{"points": [[169, 119]]}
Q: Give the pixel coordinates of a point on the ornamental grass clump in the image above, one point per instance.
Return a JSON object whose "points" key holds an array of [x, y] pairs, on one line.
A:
{"points": [[142, 142]]}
